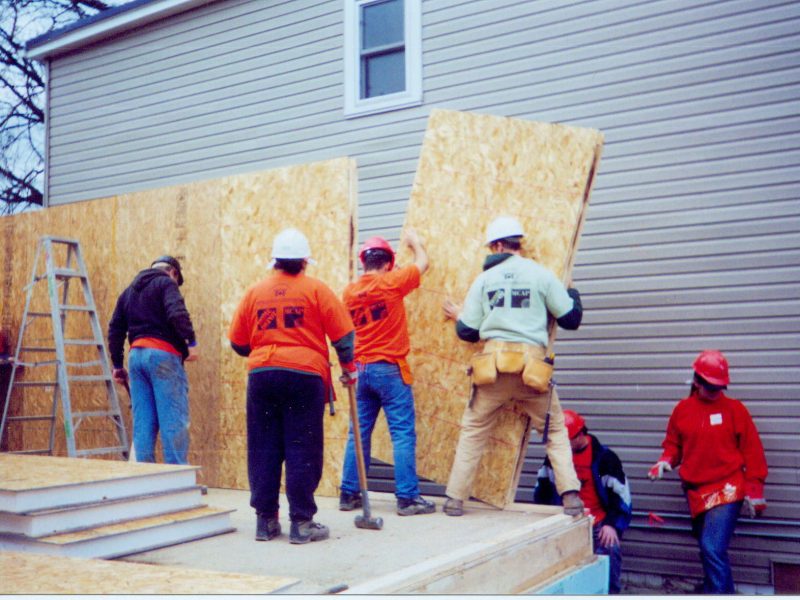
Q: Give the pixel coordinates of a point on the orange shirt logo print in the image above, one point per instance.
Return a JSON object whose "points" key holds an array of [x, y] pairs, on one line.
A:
{"points": [[293, 316], [267, 318], [378, 311], [359, 316]]}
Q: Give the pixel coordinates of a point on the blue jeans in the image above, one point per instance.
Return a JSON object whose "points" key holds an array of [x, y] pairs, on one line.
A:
{"points": [[160, 399], [614, 561], [380, 385], [713, 530]]}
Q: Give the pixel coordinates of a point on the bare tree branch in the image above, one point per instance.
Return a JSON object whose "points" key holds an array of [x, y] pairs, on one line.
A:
{"points": [[22, 87]]}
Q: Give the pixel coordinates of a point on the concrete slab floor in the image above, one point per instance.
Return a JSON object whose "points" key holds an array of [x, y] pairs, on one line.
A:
{"points": [[351, 555]]}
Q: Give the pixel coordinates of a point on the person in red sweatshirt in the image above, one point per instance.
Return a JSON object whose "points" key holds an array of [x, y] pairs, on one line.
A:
{"points": [[713, 439]]}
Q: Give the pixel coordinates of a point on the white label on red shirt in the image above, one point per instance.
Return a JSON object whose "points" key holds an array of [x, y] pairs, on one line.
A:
{"points": [[716, 419]]}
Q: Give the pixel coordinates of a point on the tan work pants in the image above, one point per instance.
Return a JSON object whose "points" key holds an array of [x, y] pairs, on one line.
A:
{"points": [[479, 418]]}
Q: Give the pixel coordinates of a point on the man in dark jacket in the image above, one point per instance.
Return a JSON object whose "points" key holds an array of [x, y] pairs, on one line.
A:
{"points": [[604, 491], [152, 313]]}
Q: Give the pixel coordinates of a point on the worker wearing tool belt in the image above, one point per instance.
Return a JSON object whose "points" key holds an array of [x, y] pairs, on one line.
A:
{"points": [[281, 325], [375, 303], [152, 313], [508, 307], [604, 490], [722, 464]]}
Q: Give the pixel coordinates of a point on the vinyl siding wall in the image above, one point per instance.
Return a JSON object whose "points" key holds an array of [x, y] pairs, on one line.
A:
{"points": [[692, 236]]}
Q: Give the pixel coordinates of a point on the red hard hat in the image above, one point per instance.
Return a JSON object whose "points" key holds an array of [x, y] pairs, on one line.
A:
{"points": [[573, 422], [712, 366], [376, 243]]}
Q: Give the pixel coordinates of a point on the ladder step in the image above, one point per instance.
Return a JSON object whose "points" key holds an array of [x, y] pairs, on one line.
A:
{"points": [[93, 363], [39, 314], [93, 413], [61, 240], [64, 273], [37, 349], [76, 307], [33, 365], [77, 342], [32, 418], [41, 451], [36, 383], [93, 451], [87, 378]]}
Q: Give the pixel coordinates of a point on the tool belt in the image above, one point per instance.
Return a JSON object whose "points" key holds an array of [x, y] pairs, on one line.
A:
{"points": [[512, 357]]}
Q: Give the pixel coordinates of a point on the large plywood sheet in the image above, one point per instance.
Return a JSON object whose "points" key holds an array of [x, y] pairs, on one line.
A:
{"points": [[473, 168], [319, 200], [221, 230]]}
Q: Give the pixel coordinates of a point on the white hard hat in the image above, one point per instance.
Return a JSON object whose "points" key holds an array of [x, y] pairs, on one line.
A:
{"points": [[503, 227], [290, 243]]}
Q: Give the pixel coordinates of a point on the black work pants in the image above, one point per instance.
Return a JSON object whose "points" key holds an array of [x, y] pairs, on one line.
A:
{"points": [[284, 423]]}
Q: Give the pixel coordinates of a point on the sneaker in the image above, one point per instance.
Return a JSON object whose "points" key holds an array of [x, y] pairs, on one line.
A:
{"points": [[348, 501], [414, 506], [573, 505], [267, 527], [303, 532], [453, 507]]}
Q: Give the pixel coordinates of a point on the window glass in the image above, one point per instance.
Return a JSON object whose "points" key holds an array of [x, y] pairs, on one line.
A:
{"points": [[384, 74], [381, 24], [382, 55]]}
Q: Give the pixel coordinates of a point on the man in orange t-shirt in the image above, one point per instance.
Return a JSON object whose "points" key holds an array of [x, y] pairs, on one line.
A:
{"points": [[281, 326], [375, 303]]}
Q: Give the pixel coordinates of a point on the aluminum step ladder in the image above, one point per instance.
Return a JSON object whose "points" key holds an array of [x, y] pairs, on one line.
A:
{"points": [[73, 367]]}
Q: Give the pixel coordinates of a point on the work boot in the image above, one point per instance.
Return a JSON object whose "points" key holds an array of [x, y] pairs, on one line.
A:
{"points": [[267, 527], [303, 532], [573, 505], [348, 501], [414, 506], [453, 507]]}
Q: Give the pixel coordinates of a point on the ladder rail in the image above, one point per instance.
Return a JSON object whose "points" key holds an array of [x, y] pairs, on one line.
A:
{"points": [[58, 335], [98, 332]]}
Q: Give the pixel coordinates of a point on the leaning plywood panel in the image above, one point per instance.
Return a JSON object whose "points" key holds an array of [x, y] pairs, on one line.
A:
{"points": [[221, 230], [88, 223], [473, 168], [319, 200], [183, 221]]}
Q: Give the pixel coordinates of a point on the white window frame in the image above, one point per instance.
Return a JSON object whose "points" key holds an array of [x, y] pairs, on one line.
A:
{"points": [[354, 106]]}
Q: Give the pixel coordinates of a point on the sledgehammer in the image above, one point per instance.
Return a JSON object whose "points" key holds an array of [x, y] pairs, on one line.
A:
{"points": [[365, 521]]}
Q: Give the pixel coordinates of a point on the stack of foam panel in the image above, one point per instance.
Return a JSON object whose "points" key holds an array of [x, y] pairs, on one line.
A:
{"points": [[100, 509]]}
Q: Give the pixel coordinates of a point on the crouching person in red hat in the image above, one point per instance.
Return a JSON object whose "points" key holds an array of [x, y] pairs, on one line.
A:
{"points": [[722, 465], [604, 491]]}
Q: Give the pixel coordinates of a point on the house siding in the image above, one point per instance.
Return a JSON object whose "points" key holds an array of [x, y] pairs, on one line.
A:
{"points": [[691, 239]]}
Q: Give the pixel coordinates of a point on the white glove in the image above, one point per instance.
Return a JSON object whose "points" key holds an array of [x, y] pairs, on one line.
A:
{"points": [[753, 507], [657, 470]]}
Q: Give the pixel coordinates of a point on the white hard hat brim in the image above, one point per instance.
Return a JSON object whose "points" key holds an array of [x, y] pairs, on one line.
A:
{"points": [[308, 259]]}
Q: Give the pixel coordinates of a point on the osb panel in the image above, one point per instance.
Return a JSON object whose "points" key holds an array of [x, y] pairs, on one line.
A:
{"points": [[319, 200], [221, 231], [26, 573], [473, 168], [71, 222]]}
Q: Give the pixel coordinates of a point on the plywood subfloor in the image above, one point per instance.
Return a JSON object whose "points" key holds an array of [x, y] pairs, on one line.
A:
{"points": [[472, 169], [25, 573], [424, 548]]}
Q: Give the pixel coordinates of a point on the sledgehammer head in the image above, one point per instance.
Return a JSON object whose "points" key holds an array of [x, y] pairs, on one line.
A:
{"points": [[365, 522]]}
